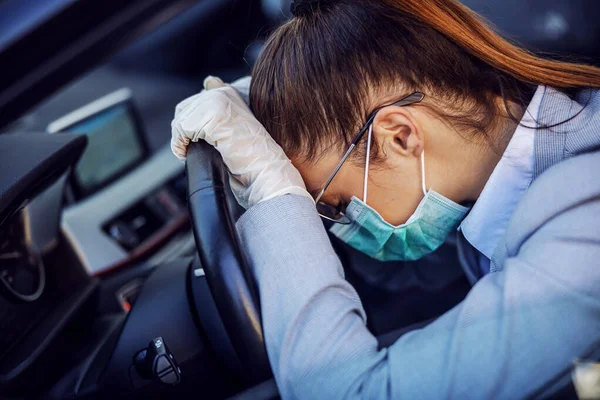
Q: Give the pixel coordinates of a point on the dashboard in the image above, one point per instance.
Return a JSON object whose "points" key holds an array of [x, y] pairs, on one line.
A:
{"points": [[126, 205], [115, 204], [119, 224], [39, 289], [120, 205], [114, 210]]}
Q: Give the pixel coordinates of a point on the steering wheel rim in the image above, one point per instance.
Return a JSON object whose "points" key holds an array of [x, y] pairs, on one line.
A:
{"points": [[213, 212]]}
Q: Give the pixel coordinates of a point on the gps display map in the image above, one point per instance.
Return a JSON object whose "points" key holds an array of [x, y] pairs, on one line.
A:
{"points": [[113, 146]]}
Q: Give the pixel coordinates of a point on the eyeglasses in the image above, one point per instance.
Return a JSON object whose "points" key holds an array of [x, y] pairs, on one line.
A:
{"points": [[335, 214]]}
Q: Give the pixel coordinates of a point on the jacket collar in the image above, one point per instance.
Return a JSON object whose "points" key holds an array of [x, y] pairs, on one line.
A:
{"points": [[572, 117]]}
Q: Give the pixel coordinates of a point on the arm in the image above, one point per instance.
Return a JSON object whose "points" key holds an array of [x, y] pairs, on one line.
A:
{"points": [[515, 331]]}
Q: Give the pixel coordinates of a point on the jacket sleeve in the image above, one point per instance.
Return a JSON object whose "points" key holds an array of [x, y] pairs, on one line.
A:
{"points": [[517, 329]]}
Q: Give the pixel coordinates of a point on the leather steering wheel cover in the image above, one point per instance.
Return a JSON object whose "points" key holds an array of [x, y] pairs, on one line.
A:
{"points": [[229, 278]]}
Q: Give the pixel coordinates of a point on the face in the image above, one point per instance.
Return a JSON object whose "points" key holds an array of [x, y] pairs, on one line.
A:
{"points": [[391, 193], [394, 184], [454, 168]]}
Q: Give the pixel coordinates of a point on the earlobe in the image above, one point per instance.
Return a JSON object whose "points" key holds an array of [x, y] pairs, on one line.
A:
{"points": [[397, 132]]}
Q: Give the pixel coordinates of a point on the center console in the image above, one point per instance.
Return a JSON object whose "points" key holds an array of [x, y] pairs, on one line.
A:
{"points": [[125, 206], [141, 217]]}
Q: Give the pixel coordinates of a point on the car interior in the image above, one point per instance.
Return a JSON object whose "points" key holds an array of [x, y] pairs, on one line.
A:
{"points": [[120, 271]]}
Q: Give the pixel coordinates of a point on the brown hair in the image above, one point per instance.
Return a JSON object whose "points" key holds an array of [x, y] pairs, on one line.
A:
{"points": [[314, 82]]}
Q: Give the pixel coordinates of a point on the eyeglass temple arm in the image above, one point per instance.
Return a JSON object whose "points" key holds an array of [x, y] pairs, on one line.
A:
{"points": [[348, 152], [414, 98]]}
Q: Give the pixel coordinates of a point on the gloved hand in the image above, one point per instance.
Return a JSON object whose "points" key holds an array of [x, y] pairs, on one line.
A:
{"points": [[259, 169]]}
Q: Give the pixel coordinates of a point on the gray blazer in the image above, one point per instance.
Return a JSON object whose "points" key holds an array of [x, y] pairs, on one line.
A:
{"points": [[520, 327]]}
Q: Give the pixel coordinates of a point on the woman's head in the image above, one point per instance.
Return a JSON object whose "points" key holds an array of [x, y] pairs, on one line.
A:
{"points": [[324, 72]]}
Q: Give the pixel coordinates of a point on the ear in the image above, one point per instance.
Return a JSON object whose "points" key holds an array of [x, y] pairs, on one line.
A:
{"points": [[397, 132]]}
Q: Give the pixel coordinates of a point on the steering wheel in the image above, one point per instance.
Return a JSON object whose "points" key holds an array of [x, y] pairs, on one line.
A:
{"points": [[213, 211]]}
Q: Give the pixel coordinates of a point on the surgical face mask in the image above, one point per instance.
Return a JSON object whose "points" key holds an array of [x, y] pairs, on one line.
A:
{"points": [[434, 219]]}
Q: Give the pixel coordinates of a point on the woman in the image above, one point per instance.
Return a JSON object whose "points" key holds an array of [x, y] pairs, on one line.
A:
{"points": [[407, 119]]}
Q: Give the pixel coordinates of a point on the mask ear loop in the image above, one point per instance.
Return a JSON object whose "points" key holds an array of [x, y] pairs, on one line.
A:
{"points": [[367, 160], [423, 173], [368, 156]]}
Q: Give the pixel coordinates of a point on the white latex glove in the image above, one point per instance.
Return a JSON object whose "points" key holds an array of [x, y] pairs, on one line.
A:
{"points": [[259, 169], [242, 86]]}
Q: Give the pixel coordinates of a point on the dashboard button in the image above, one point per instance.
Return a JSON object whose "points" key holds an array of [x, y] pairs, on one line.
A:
{"points": [[161, 365], [170, 379], [124, 235]]}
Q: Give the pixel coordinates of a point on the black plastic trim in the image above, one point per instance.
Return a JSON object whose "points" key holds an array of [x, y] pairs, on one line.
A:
{"points": [[32, 162], [14, 364]]}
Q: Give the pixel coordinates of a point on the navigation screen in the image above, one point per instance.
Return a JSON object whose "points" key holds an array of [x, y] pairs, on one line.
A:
{"points": [[113, 147]]}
